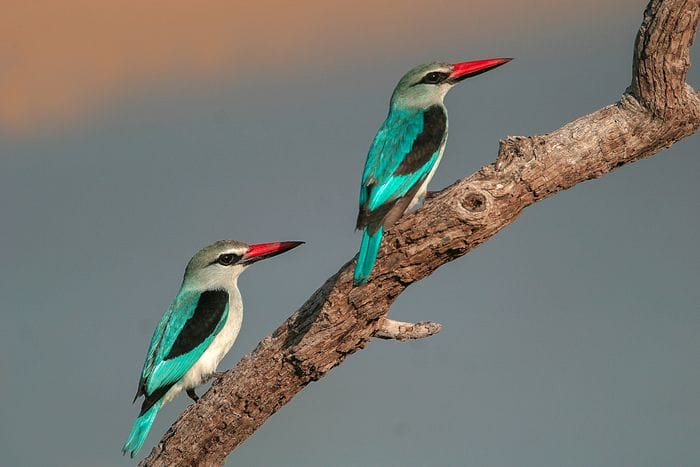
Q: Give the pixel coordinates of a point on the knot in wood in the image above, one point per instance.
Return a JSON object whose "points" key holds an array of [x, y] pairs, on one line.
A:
{"points": [[474, 202]]}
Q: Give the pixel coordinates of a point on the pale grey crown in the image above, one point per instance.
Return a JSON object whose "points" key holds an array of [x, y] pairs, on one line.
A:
{"points": [[413, 91], [210, 254]]}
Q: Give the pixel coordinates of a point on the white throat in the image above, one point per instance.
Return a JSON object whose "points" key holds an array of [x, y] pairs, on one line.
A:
{"points": [[215, 279]]}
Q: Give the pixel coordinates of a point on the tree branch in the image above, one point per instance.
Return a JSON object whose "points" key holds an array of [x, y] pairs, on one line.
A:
{"points": [[657, 110], [390, 329]]}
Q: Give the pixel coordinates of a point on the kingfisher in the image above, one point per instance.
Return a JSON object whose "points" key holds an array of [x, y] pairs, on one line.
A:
{"points": [[197, 330], [407, 150]]}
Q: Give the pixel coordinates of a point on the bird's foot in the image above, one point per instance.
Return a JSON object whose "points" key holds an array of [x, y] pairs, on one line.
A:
{"points": [[193, 395], [217, 375], [430, 195]]}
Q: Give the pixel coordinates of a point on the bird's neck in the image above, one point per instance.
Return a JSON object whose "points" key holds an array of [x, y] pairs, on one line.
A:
{"points": [[417, 101], [400, 110], [229, 283]]}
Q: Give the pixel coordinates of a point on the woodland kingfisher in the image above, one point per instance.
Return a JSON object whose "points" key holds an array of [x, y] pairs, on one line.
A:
{"points": [[407, 150], [197, 330]]}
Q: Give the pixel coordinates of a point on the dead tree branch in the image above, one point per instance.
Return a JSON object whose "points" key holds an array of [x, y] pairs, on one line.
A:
{"points": [[657, 110], [390, 329]]}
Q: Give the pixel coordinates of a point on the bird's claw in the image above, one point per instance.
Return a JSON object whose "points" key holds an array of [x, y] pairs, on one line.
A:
{"points": [[217, 375], [193, 395]]}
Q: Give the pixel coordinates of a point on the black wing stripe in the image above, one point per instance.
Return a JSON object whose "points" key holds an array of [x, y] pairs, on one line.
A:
{"points": [[210, 308], [155, 396], [427, 142], [374, 219], [423, 148]]}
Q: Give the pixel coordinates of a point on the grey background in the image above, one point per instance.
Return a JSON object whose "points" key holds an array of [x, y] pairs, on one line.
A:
{"points": [[570, 339]]}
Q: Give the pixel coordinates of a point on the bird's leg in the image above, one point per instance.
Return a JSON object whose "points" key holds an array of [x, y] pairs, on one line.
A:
{"points": [[217, 375], [193, 395]]}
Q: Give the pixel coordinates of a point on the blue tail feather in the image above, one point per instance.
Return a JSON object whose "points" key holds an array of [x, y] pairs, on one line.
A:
{"points": [[368, 254], [140, 430]]}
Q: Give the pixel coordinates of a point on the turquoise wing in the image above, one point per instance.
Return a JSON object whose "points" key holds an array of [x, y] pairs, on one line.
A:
{"points": [[183, 334], [404, 151]]}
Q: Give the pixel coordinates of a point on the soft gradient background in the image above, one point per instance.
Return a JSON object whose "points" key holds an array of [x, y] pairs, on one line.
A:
{"points": [[132, 133]]}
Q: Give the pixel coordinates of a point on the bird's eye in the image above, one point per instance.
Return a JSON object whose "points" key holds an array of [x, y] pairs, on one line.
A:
{"points": [[434, 77], [227, 259]]}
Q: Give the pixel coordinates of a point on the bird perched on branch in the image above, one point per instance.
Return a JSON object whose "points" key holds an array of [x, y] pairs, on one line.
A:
{"points": [[406, 151], [197, 330]]}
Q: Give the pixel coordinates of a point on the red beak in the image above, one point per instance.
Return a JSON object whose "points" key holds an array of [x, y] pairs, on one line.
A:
{"points": [[267, 250], [465, 70]]}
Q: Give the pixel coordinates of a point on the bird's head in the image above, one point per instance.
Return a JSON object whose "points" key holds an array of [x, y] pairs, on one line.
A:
{"points": [[427, 84], [218, 265]]}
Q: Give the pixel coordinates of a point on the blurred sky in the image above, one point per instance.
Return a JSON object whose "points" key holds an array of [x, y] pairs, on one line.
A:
{"points": [[133, 133]]}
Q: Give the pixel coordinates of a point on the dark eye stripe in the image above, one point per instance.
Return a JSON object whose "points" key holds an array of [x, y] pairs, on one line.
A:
{"points": [[227, 259], [434, 77]]}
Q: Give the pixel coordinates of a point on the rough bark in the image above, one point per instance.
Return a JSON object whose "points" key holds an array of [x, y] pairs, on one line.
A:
{"points": [[657, 110]]}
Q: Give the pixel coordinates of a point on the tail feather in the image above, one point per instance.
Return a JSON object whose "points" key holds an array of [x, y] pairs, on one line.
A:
{"points": [[368, 254], [140, 430]]}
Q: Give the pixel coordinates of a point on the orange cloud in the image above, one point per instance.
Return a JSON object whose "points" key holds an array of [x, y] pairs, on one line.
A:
{"points": [[60, 59]]}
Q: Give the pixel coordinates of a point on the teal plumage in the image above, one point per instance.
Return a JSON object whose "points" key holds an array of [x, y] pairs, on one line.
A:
{"points": [[388, 183], [164, 365], [403, 154], [159, 371], [394, 141], [406, 151], [139, 432], [197, 329], [368, 254]]}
